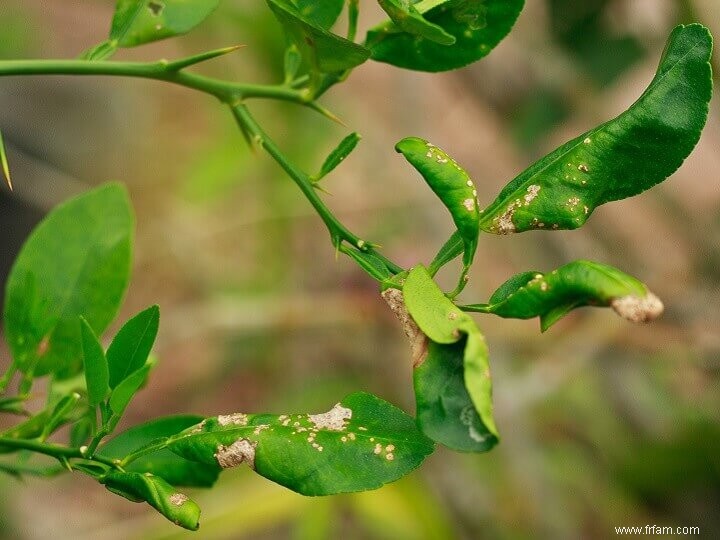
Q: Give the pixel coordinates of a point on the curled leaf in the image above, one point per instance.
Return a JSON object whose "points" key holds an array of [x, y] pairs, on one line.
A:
{"points": [[136, 487], [361, 443], [580, 283], [453, 187], [446, 326], [338, 155], [620, 158]]}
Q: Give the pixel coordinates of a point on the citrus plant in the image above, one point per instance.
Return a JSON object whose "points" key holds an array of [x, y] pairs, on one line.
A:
{"points": [[68, 282]]}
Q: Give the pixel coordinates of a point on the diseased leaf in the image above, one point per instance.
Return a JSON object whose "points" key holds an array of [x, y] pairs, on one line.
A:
{"points": [[580, 283], [131, 347], [477, 26], [75, 263], [621, 158], [173, 468], [445, 411], [407, 18], [325, 52], [362, 443], [136, 487], [95, 365], [453, 187], [444, 323], [142, 21]]}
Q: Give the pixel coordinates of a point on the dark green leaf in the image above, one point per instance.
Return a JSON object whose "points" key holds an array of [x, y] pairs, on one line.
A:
{"points": [[451, 184], [372, 264], [143, 21], [81, 431], [325, 52], [131, 347], [123, 393], [478, 26], [322, 14], [620, 158], [407, 18], [337, 156], [13, 405], [173, 468], [361, 443], [579, 283], [60, 414], [444, 323], [96, 365], [75, 263], [449, 250], [445, 411], [136, 487]]}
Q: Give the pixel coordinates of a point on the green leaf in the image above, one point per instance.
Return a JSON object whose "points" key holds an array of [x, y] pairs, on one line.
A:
{"points": [[75, 263], [322, 14], [372, 264], [325, 52], [477, 26], [101, 51], [123, 393], [13, 405], [451, 184], [60, 414], [407, 18], [338, 155], [96, 365], [131, 347], [444, 323], [580, 283], [136, 487], [173, 468], [142, 21], [362, 443], [445, 411], [622, 157], [81, 431]]}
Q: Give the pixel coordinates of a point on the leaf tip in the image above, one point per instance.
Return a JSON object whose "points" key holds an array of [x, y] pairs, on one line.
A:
{"points": [[638, 309]]}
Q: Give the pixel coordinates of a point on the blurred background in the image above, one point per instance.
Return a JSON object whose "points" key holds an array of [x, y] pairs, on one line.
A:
{"points": [[604, 423]]}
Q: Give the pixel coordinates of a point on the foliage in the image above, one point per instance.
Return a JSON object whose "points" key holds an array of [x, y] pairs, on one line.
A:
{"points": [[68, 282]]}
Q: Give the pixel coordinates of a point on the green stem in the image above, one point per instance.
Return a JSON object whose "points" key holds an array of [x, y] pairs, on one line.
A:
{"points": [[228, 92], [54, 450], [160, 71]]}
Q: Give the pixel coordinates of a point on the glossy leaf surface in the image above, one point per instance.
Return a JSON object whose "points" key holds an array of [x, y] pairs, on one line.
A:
{"points": [[407, 18], [95, 365], [477, 26], [75, 263], [325, 52], [362, 443], [338, 155], [322, 14], [451, 184], [444, 323], [136, 487], [622, 157], [131, 346], [580, 283], [142, 21], [445, 411], [173, 468]]}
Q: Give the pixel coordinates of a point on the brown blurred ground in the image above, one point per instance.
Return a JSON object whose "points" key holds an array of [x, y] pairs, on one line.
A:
{"points": [[604, 423]]}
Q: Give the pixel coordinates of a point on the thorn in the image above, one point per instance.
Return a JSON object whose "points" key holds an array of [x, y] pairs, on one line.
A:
{"points": [[183, 63], [320, 188], [326, 113], [4, 161]]}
